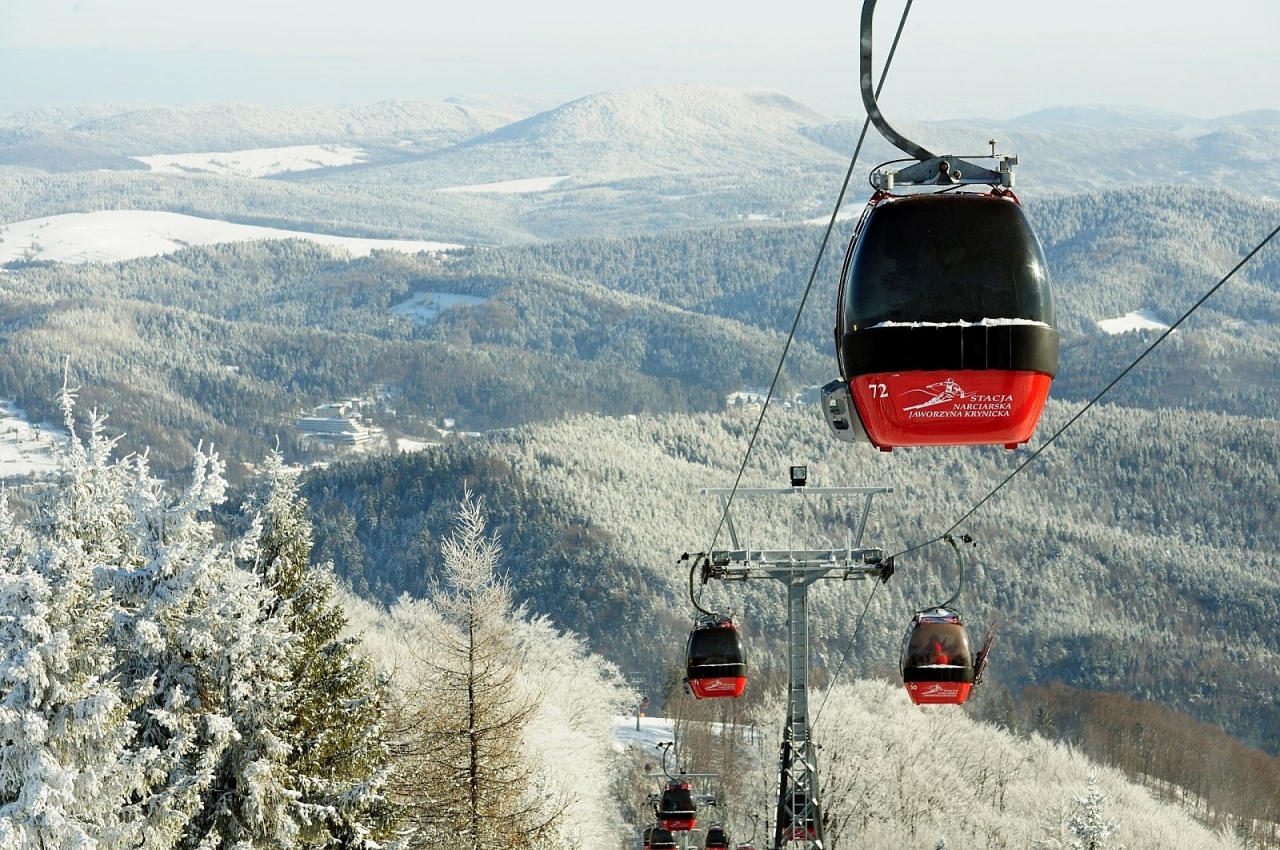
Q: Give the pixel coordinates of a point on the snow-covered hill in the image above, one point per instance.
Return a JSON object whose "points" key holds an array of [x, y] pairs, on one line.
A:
{"points": [[625, 161], [232, 127], [912, 777], [640, 132], [686, 128], [1079, 150], [1136, 320], [89, 139]]}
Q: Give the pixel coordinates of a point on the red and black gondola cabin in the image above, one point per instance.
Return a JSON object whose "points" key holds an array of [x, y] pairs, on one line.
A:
{"points": [[937, 661], [657, 838], [676, 811], [715, 662], [945, 321], [717, 839]]}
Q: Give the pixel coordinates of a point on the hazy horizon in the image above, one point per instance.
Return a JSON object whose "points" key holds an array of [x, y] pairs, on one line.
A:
{"points": [[977, 59]]}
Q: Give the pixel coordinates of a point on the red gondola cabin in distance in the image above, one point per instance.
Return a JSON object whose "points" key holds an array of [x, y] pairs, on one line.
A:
{"points": [[715, 663], [657, 838], [676, 811], [944, 325], [717, 839], [937, 663]]}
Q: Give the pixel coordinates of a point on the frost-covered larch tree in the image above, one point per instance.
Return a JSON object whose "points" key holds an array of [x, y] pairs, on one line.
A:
{"points": [[338, 761], [464, 773]]}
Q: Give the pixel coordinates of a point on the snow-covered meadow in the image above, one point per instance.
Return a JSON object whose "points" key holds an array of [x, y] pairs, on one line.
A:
{"points": [[1136, 320], [108, 236], [26, 450], [509, 187], [425, 306], [257, 162]]}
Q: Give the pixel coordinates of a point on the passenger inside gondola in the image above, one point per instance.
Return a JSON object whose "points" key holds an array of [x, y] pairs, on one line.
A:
{"points": [[935, 644]]}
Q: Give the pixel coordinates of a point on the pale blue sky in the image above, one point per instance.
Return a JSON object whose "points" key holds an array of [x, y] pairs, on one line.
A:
{"points": [[959, 57]]}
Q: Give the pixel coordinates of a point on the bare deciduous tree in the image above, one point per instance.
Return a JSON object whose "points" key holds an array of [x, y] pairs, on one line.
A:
{"points": [[464, 776]]}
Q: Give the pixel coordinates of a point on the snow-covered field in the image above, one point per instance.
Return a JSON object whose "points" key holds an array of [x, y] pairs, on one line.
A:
{"points": [[425, 306], [113, 235], [1138, 320], [510, 187], [25, 450], [404, 444], [652, 731], [258, 162], [843, 215]]}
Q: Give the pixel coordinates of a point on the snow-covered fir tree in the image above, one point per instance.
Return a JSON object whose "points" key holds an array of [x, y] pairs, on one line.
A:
{"points": [[210, 669], [1089, 826], [155, 692], [66, 767]]}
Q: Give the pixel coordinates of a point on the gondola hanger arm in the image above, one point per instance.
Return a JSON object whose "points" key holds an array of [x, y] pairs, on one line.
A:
{"points": [[895, 138], [931, 169]]}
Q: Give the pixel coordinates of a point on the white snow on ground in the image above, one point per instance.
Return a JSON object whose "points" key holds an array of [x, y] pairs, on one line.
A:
{"points": [[404, 444], [510, 187], [425, 306], [25, 450], [113, 235], [1138, 320], [985, 323], [652, 731], [258, 162], [826, 219]]}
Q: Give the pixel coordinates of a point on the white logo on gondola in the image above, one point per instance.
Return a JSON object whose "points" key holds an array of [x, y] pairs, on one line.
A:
{"points": [[937, 690], [940, 393], [717, 685], [964, 405]]}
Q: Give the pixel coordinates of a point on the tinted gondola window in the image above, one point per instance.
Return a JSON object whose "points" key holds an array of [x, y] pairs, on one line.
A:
{"points": [[947, 258], [677, 800], [931, 644], [714, 646]]}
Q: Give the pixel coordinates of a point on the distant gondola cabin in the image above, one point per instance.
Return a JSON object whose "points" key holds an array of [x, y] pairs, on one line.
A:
{"points": [[717, 839], [715, 662], [937, 661], [676, 811], [945, 322], [657, 838]]}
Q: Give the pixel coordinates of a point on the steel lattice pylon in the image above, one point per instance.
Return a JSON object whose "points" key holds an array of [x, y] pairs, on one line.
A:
{"points": [[798, 818]]}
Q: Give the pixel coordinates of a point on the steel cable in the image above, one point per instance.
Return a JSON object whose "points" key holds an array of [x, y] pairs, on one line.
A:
{"points": [[804, 298], [1035, 454]]}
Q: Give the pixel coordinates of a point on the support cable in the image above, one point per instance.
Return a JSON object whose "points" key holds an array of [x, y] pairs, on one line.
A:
{"points": [[804, 298], [959, 557], [1035, 454]]}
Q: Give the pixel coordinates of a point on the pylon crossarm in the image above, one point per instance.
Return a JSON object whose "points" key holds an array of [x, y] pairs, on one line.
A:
{"points": [[795, 491], [789, 565], [805, 575]]}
